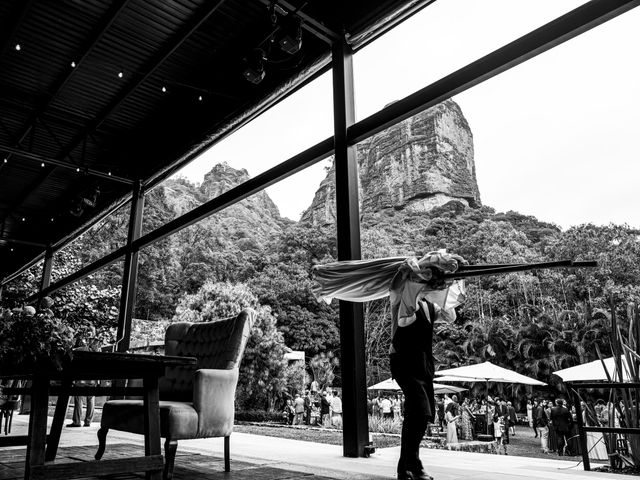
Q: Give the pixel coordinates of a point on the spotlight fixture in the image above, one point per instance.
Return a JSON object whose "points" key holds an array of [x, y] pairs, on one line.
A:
{"points": [[289, 35], [254, 72]]}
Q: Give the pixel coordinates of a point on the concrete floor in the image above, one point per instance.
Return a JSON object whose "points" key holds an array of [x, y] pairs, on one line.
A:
{"points": [[327, 461]]}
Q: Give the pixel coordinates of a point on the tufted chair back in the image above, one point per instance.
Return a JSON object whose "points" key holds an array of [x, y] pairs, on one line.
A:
{"points": [[218, 344]]}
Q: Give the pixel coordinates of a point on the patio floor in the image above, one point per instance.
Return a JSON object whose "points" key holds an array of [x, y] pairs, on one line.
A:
{"points": [[267, 458]]}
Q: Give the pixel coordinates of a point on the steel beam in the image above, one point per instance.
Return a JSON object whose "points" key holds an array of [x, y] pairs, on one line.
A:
{"points": [[355, 426], [552, 34], [47, 267], [130, 271], [59, 163]]}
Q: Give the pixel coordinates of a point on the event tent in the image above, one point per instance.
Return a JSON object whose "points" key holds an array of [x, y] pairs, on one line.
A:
{"points": [[594, 371], [485, 372], [391, 384]]}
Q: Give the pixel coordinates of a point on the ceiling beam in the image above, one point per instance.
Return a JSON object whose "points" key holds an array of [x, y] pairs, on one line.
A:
{"points": [[309, 23], [58, 163], [153, 65], [57, 88], [17, 241], [85, 51]]}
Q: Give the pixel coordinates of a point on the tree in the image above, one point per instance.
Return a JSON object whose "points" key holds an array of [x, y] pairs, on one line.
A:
{"points": [[262, 371]]}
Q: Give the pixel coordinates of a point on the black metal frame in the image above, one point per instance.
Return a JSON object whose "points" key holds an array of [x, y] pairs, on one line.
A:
{"points": [[353, 368], [347, 134], [582, 429]]}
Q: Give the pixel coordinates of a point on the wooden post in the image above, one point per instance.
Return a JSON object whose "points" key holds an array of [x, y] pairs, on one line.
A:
{"points": [[354, 391], [130, 271]]}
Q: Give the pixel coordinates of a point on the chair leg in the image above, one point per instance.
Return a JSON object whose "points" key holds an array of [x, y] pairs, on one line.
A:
{"points": [[7, 423], [227, 463], [102, 442], [170, 448]]}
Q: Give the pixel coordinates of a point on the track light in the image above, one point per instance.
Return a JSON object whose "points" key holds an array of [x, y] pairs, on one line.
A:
{"points": [[289, 35], [254, 72]]}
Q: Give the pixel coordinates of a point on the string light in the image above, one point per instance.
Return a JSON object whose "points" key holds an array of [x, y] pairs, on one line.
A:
{"points": [[200, 98], [6, 160], [52, 219], [18, 47], [73, 64], [42, 164], [120, 74], [12, 249], [109, 173], [24, 219], [78, 169], [164, 89]]}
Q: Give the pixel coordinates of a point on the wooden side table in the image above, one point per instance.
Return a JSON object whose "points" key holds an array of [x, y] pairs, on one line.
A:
{"points": [[42, 448]]}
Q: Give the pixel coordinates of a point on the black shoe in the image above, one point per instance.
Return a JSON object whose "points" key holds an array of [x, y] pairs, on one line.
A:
{"points": [[74, 425], [419, 475]]}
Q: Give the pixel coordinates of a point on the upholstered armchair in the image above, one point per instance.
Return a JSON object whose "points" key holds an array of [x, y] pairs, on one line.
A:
{"points": [[197, 401]]}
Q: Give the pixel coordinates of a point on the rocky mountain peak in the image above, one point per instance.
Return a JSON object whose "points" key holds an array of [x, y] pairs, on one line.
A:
{"points": [[418, 164]]}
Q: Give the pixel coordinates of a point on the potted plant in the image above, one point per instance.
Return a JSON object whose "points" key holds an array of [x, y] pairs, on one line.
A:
{"points": [[31, 339]]}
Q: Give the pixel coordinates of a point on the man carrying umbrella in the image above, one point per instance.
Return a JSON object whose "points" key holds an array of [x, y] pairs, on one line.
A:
{"points": [[411, 359]]}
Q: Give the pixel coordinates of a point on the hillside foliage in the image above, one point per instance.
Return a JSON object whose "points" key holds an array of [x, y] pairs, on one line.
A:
{"points": [[534, 322]]}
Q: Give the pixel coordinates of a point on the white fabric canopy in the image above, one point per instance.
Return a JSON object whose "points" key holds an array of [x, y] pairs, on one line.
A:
{"points": [[594, 371], [485, 372], [391, 384]]}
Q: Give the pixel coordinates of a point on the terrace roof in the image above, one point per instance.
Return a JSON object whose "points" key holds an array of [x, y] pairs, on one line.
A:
{"points": [[98, 95]]}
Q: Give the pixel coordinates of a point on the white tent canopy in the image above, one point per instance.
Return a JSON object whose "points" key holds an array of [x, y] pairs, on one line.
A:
{"points": [[391, 384], [485, 372], [594, 371]]}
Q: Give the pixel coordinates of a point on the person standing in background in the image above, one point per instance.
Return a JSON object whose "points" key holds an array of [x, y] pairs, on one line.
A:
{"points": [[336, 409], [542, 422], [513, 418]]}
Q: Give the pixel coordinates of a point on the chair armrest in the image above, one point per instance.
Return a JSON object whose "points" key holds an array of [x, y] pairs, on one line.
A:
{"points": [[214, 399]]}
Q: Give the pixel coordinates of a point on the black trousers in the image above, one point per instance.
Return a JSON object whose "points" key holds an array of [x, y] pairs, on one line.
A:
{"points": [[412, 374], [562, 436]]}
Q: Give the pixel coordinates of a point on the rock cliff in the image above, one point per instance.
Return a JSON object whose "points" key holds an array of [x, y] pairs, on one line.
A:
{"points": [[418, 164]]}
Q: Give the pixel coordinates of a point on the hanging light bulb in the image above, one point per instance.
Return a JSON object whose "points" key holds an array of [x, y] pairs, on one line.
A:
{"points": [[120, 74], [73, 64], [42, 164], [164, 89], [18, 47], [78, 169], [200, 98], [6, 160]]}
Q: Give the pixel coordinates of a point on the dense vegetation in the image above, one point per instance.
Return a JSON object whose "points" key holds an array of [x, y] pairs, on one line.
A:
{"points": [[534, 322]]}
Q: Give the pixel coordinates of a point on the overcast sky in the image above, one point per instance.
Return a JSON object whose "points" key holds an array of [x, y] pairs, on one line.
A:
{"points": [[556, 137]]}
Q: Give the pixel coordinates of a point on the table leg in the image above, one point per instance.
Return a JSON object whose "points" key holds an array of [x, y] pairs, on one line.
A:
{"points": [[37, 424], [152, 423], [58, 421]]}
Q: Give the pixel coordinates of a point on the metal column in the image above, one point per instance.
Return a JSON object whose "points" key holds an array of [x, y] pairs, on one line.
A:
{"points": [[354, 389], [130, 271], [47, 266]]}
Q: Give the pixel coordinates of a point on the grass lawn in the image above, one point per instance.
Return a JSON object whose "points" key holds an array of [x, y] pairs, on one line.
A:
{"points": [[523, 444]]}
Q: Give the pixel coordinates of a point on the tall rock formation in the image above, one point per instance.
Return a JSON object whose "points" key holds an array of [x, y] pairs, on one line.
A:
{"points": [[418, 164], [254, 217]]}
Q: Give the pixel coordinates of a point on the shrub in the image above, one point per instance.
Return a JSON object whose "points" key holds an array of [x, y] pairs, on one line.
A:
{"points": [[384, 425], [259, 416]]}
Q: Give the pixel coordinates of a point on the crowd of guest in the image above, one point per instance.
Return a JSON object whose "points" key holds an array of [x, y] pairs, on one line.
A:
{"points": [[554, 422], [314, 408]]}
